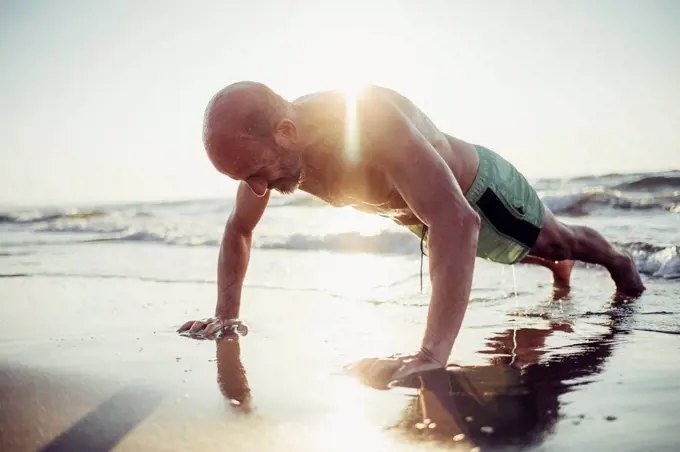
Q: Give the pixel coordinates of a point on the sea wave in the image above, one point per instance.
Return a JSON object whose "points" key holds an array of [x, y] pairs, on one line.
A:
{"points": [[38, 216], [662, 261], [589, 201], [650, 183], [82, 227], [612, 179], [298, 199], [574, 196], [32, 217], [654, 260], [164, 237], [87, 232], [387, 242], [167, 237]]}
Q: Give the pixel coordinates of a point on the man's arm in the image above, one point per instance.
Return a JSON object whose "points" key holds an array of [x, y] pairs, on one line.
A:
{"points": [[233, 260], [431, 191], [234, 254]]}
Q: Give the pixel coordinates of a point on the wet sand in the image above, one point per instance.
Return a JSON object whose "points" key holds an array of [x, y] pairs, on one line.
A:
{"points": [[95, 364]]}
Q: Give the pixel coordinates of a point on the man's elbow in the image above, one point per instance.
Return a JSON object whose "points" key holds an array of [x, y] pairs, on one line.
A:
{"points": [[459, 223], [471, 220], [465, 217]]}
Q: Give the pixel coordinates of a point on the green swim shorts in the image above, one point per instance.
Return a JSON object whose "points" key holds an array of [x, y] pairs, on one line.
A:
{"points": [[511, 212]]}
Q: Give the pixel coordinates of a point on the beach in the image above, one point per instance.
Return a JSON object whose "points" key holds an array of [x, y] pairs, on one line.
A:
{"points": [[92, 297]]}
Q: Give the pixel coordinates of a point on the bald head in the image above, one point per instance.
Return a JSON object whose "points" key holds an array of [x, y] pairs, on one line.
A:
{"points": [[242, 131], [242, 108]]}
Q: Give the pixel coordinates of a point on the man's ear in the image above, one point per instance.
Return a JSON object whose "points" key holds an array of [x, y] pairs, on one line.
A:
{"points": [[286, 132]]}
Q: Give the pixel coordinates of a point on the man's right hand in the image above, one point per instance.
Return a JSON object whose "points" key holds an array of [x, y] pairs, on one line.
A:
{"points": [[209, 328]]}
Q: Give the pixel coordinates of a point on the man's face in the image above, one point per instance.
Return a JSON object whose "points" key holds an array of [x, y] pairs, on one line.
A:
{"points": [[287, 174], [262, 164]]}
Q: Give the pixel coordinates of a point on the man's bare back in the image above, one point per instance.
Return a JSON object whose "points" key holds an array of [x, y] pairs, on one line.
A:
{"points": [[378, 152]]}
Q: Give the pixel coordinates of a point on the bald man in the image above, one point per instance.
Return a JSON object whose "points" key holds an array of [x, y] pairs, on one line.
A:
{"points": [[463, 199]]}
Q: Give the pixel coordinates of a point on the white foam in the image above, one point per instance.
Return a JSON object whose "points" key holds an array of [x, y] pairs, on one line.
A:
{"points": [[82, 227], [169, 238], [661, 264]]}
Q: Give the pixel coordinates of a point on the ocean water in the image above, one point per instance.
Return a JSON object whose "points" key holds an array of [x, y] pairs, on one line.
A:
{"points": [[98, 291], [303, 245]]}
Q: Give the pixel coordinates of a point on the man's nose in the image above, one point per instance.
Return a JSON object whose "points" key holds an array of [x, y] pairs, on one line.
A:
{"points": [[258, 186]]}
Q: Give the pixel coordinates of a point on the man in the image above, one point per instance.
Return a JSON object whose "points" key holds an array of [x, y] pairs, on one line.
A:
{"points": [[380, 153]]}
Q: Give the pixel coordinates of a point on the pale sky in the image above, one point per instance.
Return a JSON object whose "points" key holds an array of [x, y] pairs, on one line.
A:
{"points": [[103, 100]]}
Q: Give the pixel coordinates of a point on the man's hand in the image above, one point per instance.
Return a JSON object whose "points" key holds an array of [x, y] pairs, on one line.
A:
{"points": [[378, 373], [212, 328]]}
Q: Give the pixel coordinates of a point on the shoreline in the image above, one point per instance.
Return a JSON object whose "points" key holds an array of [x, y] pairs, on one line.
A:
{"points": [[593, 381]]}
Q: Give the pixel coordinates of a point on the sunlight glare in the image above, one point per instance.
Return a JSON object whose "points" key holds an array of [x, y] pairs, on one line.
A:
{"points": [[347, 219], [361, 276], [351, 91], [349, 415]]}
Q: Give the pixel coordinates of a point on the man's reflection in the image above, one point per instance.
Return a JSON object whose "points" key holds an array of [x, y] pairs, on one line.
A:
{"points": [[231, 375], [514, 400]]}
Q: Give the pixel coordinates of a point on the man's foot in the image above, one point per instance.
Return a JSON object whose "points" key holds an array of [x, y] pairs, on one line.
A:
{"points": [[626, 276], [561, 293], [562, 274], [561, 270]]}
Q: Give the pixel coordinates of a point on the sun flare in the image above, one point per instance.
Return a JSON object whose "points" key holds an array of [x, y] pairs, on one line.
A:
{"points": [[339, 220], [351, 92], [349, 414]]}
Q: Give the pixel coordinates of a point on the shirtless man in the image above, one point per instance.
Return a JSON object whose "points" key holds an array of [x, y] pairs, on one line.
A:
{"points": [[464, 199]]}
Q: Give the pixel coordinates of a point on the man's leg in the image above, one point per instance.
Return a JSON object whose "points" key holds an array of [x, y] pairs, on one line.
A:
{"points": [[560, 242]]}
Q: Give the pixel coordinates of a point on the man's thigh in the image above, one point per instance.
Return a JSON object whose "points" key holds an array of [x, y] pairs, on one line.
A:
{"points": [[554, 241]]}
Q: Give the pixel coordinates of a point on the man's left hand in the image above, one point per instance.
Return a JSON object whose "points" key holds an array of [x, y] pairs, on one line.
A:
{"points": [[380, 372]]}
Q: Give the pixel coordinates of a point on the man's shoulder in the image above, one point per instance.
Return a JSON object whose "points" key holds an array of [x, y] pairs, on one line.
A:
{"points": [[319, 97], [340, 94], [372, 100]]}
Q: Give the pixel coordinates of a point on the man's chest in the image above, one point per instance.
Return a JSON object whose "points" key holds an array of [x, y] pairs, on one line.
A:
{"points": [[366, 188]]}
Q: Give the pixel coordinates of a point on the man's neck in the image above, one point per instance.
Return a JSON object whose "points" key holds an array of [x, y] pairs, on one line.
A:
{"points": [[323, 166], [318, 171]]}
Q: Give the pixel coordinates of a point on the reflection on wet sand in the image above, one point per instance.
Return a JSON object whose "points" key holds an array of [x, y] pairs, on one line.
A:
{"points": [[231, 375], [515, 400]]}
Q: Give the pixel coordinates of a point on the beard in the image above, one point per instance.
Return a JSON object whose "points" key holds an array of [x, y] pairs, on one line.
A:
{"points": [[285, 185], [293, 175]]}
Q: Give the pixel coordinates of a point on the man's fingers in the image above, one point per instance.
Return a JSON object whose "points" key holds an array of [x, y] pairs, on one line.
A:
{"points": [[213, 328], [232, 323], [208, 328], [384, 370], [374, 372], [403, 371], [416, 367], [186, 326], [360, 367], [381, 373], [197, 326]]}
